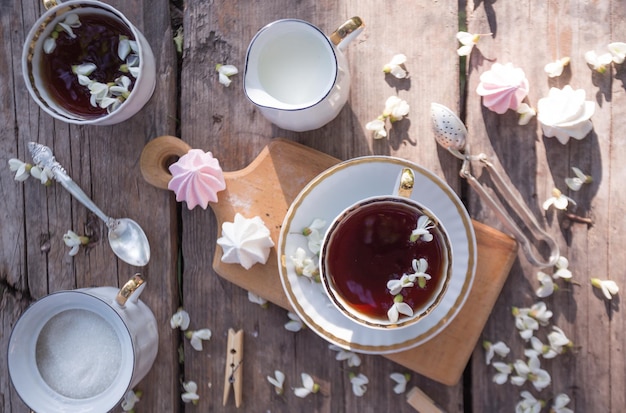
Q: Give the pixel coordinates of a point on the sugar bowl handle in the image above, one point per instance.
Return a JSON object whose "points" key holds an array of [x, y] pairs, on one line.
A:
{"points": [[347, 32], [128, 289]]}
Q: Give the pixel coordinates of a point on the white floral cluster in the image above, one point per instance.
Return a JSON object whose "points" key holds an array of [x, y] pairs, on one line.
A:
{"points": [[528, 322], [395, 108], [419, 275], [111, 95], [304, 263]]}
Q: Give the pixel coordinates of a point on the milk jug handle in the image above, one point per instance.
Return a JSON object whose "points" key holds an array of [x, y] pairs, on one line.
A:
{"points": [[347, 32], [128, 289]]}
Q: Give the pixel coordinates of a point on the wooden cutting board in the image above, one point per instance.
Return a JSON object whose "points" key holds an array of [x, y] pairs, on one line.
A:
{"points": [[267, 187]]}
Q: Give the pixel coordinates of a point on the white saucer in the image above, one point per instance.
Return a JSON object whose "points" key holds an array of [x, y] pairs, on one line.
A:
{"points": [[325, 197]]}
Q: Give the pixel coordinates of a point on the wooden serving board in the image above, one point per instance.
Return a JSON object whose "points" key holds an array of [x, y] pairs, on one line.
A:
{"points": [[267, 187]]}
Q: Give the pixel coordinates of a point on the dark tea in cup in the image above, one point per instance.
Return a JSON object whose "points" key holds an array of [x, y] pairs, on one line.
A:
{"points": [[385, 261]]}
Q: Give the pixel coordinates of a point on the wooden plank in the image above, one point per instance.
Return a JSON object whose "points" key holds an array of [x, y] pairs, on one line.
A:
{"points": [[221, 120], [104, 162], [531, 34]]}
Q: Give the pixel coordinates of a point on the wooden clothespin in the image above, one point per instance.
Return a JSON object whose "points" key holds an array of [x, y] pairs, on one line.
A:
{"points": [[421, 402], [234, 372]]}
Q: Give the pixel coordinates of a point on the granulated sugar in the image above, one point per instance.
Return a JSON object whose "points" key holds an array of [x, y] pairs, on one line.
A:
{"points": [[78, 354]]}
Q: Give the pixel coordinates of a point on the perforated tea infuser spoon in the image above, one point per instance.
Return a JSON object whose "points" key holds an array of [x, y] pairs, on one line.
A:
{"points": [[450, 133], [127, 239]]}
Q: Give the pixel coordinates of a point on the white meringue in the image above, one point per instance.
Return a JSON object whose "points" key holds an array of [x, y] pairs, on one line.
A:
{"points": [[245, 241], [565, 113]]}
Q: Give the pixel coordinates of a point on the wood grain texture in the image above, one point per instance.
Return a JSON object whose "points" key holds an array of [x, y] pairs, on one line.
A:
{"points": [[104, 162], [530, 34]]}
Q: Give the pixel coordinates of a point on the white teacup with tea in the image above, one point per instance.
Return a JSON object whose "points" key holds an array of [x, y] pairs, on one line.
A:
{"points": [[385, 261], [85, 63], [297, 76], [82, 350]]}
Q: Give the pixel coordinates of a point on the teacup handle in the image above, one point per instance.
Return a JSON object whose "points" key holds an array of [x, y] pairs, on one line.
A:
{"points": [[347, 32], [128, 289], [406, 182]]}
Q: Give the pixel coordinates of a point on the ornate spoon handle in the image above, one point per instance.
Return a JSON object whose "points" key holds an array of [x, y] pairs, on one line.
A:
{"points": [[43, 156]]}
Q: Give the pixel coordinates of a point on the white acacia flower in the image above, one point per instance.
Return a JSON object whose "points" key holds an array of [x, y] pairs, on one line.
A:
{"points": [[190, 394], [560, 404], [256, 299], [562, 270], [398, 308], [395, 109], [131, 65], [70, 22], [401, 382], [555, 69], [396, 66], [180, 319], [609, 287], [44, 175], [49, 45], [130, 398], [98, 92], [468, 41], [526, 324], [294, 324], [618, 50], [308, 386], [577, 182], [225, 72], [196, 337], [558, 340], [315, 235], [74, 241], [395, 286], [303, 264], [503, 372], [539, 311], [528, 404], [21, 169], [125, 47], [419, 267], [84, 69], [547, 285], [378, 127], [359, 384], [597, 62], [559, 200], [353, 359], [532, 372], [277, 381], [491, 349], [424, 225], [540, 349], [526, 113]]}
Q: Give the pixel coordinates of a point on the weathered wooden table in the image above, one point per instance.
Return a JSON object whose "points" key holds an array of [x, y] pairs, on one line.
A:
{"points": [[191, 104]]}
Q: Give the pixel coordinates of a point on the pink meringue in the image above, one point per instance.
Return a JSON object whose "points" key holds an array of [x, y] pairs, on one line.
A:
{"points": [[503, 87], [196, 178]]}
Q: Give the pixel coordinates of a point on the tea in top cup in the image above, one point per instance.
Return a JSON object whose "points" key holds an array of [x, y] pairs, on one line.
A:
{"points": [[385, 262], [85, 63]]}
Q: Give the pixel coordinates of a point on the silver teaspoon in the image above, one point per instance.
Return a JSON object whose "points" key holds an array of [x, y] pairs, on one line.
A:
{"points": [[450, 133], [126, 238]]}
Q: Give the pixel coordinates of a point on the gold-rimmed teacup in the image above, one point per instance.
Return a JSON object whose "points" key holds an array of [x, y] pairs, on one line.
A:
{"points": [[385, 261], [123, 80]]}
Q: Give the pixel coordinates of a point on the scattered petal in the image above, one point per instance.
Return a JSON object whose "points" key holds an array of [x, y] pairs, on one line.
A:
{"points": [[353, 359], [609, 287], [500, 348], [196, 337], [295, 324], [618, 51], [401, 382], [359, 384], [555, 69], [547, 285], [277, 381], [21, 169], [256, 299], [378, 127], [526, 113], [190, 394], [578, 181], [597, 62], [180, 319], [396, 66], [130, 398], [308, 386]]}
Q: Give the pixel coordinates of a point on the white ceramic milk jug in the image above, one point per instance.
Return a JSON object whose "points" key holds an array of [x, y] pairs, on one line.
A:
{"points": [[81, 350], [296, 75]]}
